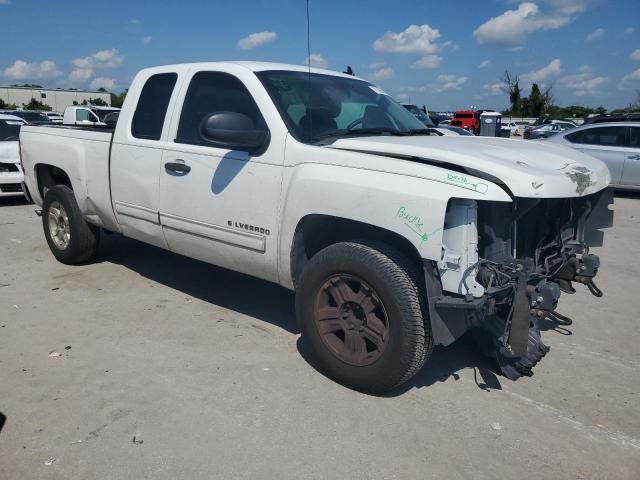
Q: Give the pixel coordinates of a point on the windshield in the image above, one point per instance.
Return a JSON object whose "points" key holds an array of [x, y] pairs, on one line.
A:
{"points": [[9, 131], [316, 106]]}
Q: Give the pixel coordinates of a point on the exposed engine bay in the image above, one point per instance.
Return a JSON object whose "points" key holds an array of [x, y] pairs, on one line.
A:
{"points": [[504, 267]]}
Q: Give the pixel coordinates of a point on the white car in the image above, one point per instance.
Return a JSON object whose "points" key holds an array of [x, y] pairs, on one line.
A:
{"points": [[87, 115], [55, 117], [510, 127], [394, 238], [11, 176]]}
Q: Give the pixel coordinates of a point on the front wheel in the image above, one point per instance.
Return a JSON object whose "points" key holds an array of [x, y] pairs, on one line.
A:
{"points": [[70, 238], [361, 312]]}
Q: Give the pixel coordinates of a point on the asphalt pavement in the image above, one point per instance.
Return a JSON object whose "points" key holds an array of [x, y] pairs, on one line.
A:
{"points": [[146, 364]]}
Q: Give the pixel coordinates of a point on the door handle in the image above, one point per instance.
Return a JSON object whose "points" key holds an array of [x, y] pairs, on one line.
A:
{"points": [[633, 157], [178, 167]]}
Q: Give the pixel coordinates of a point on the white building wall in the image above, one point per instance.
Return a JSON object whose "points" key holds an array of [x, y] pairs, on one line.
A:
{"points": [[58, 100]]}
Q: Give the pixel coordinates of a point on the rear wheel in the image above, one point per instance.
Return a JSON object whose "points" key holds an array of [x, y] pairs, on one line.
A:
{"points": [[70, 238], [361, 312]]}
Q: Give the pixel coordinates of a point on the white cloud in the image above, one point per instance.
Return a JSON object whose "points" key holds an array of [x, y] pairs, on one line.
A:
{"points": [[377, 65], [147, 40], [597, 34], [450, 82], [494, 88], [629, 30], [421, 89], [635, 55], [583, 83], [380, 72], [80, 75], [635, 75], [427, 62], [415, 39], [541, 75], [512, 27], [316, 60], [22, 70], [485, 64], [101, 59], [85, 67], [256, 39], [101, 82], [5, 2]]}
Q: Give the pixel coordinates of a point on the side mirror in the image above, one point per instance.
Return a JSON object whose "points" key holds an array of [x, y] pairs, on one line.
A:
{"points": [[233, 130]]}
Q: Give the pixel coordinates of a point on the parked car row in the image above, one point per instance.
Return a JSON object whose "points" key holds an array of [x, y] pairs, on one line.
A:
{"points": [[11, 174]]}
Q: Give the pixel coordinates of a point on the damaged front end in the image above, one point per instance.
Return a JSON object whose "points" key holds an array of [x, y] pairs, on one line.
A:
{"points": [[504, 266]]}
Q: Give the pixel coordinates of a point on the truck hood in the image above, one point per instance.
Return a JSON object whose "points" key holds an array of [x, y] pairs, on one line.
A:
{"points": [[525, 168]]}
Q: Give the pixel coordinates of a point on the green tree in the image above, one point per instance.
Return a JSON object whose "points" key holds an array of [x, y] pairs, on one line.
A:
{"points": [[536, 101], [98, 102], [118, 100], [36, 105], [525, 110], [511, 85], [7, 106]]}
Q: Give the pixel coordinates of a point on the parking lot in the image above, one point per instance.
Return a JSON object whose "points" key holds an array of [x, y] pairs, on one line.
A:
{"points": [[170, 368]]}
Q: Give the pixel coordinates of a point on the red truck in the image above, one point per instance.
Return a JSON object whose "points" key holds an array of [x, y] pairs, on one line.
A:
{"points": [[467, 119]]}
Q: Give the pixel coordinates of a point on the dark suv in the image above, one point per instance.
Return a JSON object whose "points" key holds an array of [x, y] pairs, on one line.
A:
{"points": [[615, 117]]}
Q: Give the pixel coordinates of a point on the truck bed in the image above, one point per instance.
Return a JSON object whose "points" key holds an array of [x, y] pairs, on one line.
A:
{"points": [[83, 153]]}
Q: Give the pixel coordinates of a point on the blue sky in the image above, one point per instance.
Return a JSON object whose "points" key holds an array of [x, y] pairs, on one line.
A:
{"points": [[445, 54]]}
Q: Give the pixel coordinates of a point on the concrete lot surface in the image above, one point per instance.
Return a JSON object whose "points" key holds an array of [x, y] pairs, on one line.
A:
{"points": [[179, 370]]}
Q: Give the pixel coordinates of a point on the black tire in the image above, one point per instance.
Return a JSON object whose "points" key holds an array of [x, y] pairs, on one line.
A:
{"points": [[83, 237], [397, 284]]}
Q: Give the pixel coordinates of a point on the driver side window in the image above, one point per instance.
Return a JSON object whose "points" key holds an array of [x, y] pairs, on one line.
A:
{"points": [[214, 92]]}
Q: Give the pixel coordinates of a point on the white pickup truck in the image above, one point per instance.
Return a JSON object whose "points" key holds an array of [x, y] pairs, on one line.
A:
{"points": [[394, 238]]}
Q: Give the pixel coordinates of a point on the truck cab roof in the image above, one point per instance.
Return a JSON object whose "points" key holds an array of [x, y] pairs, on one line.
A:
{"points": [[254, 67]]}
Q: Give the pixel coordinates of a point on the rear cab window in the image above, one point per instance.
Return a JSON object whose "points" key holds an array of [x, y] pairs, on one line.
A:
{"points": [[151, 110], [634, 137]]}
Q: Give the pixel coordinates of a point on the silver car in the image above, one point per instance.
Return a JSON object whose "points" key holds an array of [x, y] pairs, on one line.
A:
{"points": [[616, 144]]}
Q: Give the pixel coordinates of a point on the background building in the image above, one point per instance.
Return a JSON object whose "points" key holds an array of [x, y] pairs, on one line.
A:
{"points": [[57, 99]]}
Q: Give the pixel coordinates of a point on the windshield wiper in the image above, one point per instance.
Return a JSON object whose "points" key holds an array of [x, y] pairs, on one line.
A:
{"points": [[423, 131], [360, 131], [375, 130]]}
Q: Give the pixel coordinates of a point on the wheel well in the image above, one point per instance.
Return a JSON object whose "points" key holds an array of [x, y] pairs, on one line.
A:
{"points": [[315, 232], [49, 176]]}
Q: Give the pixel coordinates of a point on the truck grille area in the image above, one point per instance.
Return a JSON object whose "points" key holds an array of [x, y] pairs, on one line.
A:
{"points": [[8, 168], [542, 230], [10, 187], [529, 251]]}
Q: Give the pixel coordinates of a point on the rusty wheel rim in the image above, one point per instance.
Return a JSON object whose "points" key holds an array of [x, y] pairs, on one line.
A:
{"points": [[351, 320]]}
